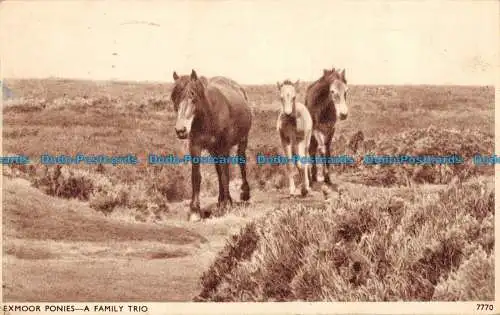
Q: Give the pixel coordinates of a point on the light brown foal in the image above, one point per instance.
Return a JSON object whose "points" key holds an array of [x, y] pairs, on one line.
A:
{"points": [[294, 126]]}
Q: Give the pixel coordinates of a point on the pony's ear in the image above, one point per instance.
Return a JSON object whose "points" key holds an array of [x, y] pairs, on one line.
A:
{"points": [[297, 84], [342, 75], [325, 71], [176, 76], [194, 76], [278, 84]]}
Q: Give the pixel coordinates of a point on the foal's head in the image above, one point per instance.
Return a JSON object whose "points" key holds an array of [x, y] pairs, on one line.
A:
{"points": [[288, 93], [187, 95], [338, 91]]}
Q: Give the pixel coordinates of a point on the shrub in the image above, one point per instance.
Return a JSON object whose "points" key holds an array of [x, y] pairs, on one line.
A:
{"points": [[380, 248], [473, 281], [416, 142]]}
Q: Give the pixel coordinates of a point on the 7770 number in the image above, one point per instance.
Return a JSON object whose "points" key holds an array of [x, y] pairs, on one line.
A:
{"points": [[484, 307]]}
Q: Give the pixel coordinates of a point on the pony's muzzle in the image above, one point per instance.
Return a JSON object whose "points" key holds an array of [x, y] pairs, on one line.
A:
{"points": [[181, 132], [343, 116]]}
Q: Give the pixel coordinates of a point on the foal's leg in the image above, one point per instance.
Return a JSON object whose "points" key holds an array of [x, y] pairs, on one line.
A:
{"points": [[194, 214], [287, 147], [307, 143], [301, 148], [245, 188]]}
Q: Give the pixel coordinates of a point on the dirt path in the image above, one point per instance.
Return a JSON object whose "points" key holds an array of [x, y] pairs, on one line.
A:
{"points": [[61, 250]]}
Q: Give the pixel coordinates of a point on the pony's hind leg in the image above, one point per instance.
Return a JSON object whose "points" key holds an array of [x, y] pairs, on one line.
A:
{"points": [[225, 200], [245, 188]]}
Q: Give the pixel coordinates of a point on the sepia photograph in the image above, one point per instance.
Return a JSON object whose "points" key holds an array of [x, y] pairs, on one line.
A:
{"points": [[247, 151]]}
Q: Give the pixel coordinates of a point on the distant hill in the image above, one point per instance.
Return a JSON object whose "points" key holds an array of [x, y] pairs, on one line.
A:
{"points": [[6, 92]]}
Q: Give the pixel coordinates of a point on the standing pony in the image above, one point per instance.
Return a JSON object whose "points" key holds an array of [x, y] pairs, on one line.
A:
{"points": [[326, 99], [214, 115], [294, 126]]}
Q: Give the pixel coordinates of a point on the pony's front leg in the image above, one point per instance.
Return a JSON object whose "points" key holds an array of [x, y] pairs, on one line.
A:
{"points": [[320, 139], [218, 169], [303, 169], [313, 146], [328, 147], [195, 211], [287, 147]]}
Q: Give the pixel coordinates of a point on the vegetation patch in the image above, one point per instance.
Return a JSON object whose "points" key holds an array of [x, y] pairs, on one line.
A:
{"points": [[380, 248]]}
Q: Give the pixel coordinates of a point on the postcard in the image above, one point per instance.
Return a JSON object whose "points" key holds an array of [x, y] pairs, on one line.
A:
{"points": [[249, 157]]}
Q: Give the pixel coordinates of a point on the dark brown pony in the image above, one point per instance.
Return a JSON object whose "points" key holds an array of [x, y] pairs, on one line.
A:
{"points": [[326, 99], [214, 115]]}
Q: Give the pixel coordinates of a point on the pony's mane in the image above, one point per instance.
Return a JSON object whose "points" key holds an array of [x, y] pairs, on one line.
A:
{"points": [[179, 89], [288, 82], [195, 87], [320, 88]]}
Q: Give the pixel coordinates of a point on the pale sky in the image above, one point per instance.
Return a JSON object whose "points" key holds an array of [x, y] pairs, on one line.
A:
{"points": [[253, 41]]}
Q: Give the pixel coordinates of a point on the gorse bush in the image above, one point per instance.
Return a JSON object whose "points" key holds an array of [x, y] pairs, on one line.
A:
{"points": [[380, 248]]}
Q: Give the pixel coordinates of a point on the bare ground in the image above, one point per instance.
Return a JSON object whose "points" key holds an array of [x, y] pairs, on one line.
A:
{"points": [[62, 250]]}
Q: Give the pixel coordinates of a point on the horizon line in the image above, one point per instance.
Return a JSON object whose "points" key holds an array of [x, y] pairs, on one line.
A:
{"points": [[124, 81]]}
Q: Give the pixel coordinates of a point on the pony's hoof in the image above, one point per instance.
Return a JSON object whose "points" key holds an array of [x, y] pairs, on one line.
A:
{"points": [[304, 191], [245, 196], [327, 179], [194, 207], [194, 217], [222, 205]]}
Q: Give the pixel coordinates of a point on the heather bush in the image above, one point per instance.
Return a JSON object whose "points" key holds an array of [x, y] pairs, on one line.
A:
{"points": [[416, 142], [143, 199], [474, 280], [62, 181], [382, 247]]}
